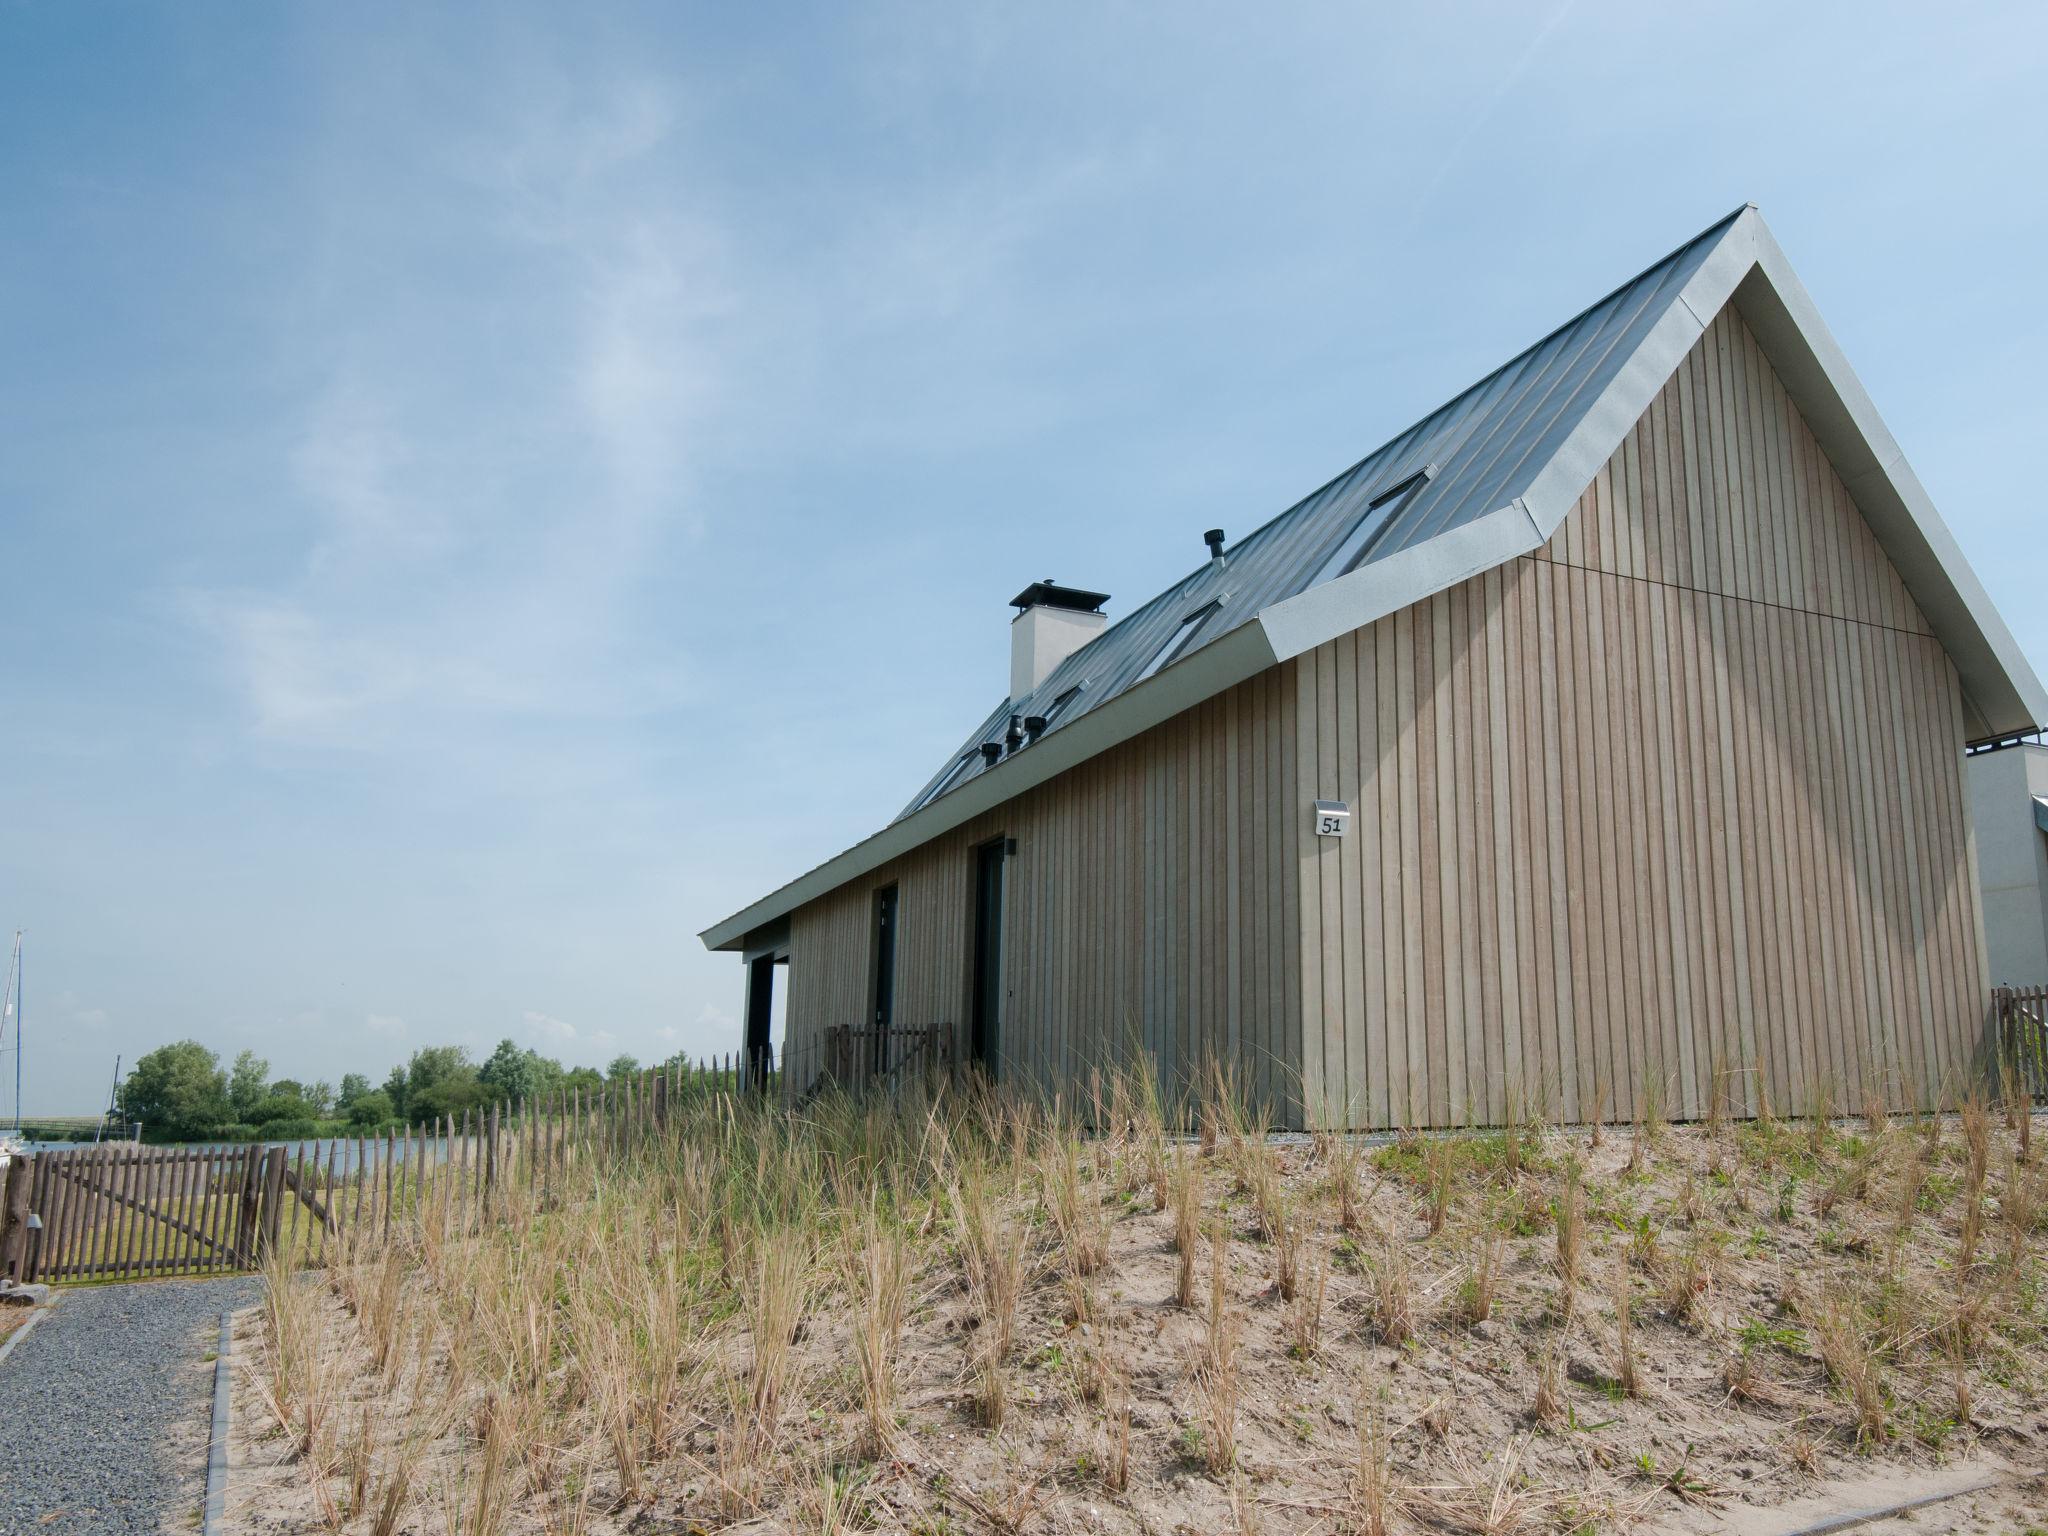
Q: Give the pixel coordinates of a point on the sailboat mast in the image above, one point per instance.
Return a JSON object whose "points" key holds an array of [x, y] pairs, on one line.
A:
{"points": [[113, 1097], [10, 1003]]}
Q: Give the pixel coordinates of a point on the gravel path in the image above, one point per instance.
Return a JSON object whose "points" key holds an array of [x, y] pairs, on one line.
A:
{"points": [[110, 1401]]}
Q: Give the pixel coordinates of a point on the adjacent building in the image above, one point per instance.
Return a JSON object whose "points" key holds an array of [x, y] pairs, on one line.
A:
{"points": [[2009, 814], [1597, 738]]}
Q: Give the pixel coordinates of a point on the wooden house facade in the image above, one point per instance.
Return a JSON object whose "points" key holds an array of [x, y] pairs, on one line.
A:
{"points": [[1595, 741]]}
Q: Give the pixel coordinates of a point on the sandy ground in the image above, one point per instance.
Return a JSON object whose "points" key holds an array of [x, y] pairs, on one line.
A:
{"points": [[1466, 1451]]}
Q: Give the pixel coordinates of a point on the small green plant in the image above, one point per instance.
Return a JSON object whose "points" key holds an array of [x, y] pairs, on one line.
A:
{"points": [[1757, 1334], [1788, 1198]]}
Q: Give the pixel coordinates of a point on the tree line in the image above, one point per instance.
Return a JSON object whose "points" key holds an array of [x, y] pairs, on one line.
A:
{"points": [[181, 1092]]}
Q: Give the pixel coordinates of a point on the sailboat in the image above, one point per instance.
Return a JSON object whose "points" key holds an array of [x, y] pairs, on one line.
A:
{"points": [[11, 1143]]}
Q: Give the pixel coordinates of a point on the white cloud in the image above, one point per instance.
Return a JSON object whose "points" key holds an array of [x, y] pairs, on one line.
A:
{"points": [[72, 1009], [351, 459], [467, 555], [543, 1026], [560, 1033], [388, 1025]]}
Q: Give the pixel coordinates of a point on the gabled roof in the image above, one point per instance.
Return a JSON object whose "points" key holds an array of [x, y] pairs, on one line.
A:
{"points": [[1485, 478]]}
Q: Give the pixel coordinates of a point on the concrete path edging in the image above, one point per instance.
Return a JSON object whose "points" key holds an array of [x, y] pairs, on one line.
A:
{"points": [[28, 1327], [217, 1441], [1849, 1520]]}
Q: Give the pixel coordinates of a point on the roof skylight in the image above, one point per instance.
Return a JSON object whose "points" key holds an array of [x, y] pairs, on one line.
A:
{"points": [[951, 777], [1350, 553], [1180, 639]]}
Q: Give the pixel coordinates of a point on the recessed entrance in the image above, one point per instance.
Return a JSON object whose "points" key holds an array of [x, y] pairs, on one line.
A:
{"points": [[984, 1042], [764, 1015], [882, 983]]}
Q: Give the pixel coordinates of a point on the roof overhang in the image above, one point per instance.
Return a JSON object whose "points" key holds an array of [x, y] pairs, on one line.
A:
{"points": [[2001, 694], [1241, 654]]}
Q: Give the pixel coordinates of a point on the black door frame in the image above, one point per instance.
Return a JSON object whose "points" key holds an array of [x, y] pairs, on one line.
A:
{"points": [[882, 975], [760, 1018], [985, 1003]]}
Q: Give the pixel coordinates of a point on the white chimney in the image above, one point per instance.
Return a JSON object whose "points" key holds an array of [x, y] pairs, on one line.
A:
{"points": [[1052, 623]]}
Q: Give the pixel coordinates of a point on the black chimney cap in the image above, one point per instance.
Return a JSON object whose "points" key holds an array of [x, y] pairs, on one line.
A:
{"points": [[991, 750], [1214, 539], [1049, 594]]}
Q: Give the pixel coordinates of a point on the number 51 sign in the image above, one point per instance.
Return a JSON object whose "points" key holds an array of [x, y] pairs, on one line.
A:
{"points": [[1332, 817]]}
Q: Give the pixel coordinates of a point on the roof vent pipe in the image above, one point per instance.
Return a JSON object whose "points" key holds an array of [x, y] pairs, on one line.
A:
{"points": [[990, 751], [1014, 737], [1214, 539]]}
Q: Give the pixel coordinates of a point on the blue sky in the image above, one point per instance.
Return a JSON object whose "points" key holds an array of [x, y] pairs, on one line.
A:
{"points": [[489, 491]]}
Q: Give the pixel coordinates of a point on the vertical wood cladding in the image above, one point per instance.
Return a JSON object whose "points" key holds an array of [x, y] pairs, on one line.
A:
{"points": [[1680, 791], [1151, 902]]}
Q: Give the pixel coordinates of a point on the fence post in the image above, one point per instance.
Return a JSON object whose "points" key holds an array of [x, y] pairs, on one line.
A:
{"points": [[491, 1153], [14, 1221], [270, 1203], [245, 1214]]}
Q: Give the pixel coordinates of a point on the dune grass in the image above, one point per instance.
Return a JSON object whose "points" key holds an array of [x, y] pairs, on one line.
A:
{"points": [[977, 1313]]}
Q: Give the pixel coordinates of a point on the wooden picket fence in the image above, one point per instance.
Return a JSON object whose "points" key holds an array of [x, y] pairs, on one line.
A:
{"points": [[2022, 1015], [125, 1211], [866, 1059]]}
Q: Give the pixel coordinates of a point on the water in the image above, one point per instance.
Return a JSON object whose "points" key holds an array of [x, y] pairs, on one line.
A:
{"points": [[429, 1149]]}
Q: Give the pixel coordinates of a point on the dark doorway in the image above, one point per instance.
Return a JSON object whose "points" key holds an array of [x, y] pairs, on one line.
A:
{"points": [[985, 1034], [882, 1013], [760, 1019]]}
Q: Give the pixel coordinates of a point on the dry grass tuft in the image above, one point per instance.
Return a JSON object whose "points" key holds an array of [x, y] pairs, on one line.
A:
{"points": [[1187, 1227], [1393, 1294], [1116, 1465], [1077, 1212], [1219, 1287], [877, 1264], [1441, 1173], [1628, 1374], [1305, 1311], [1342, 1180], [774, 1307], [1843, 1334], [992, 1254], [1548, 1405], [1290, 1233], [1371, 1475], [1568, 1212], [1216, 1371], [1489, 1499], [1482, 1279]]}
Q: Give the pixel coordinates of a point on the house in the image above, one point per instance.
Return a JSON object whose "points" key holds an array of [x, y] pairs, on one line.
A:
{"points": [[1596, 740], [2008, 793]]}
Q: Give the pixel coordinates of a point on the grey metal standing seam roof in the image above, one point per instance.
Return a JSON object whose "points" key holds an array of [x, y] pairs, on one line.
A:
{"points": [[1501, 466], [1481, 449]]}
